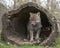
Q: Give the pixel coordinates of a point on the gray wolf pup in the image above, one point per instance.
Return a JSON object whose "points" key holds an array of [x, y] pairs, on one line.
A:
{"points": [[34, 25]]}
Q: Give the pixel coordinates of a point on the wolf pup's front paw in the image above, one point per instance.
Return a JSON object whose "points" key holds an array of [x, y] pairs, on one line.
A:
{"points": [[38, 41], [31, 40]]}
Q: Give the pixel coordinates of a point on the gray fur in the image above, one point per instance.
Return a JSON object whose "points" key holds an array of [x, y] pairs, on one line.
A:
{"points": [[34, 25]]}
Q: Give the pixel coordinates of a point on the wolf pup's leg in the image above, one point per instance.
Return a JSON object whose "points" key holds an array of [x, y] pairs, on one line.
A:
{"points": [[31, 35], [37, 36]]}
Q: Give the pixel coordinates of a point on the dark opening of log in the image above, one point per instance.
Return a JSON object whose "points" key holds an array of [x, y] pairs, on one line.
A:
{"points": [[16, 29], [20, 24]]}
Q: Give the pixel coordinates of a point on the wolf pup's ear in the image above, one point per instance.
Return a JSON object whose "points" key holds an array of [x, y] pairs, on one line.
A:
{"points": [[30, 13], [38, 13]]}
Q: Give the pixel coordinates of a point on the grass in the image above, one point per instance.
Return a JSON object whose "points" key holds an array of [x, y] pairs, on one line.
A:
{"points": [[2, 45]]}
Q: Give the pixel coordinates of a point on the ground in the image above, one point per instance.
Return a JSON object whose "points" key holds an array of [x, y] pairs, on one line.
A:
{"points": [[2, 45]]}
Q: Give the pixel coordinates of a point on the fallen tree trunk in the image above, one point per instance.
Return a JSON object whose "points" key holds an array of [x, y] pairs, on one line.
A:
{"points": [[15, 25]]}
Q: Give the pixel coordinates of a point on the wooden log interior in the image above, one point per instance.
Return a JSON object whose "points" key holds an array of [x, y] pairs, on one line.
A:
{"points": [[15, 25]]}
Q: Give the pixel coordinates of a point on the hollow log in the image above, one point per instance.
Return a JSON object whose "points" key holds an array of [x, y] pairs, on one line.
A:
{"points": [[14, 24]]}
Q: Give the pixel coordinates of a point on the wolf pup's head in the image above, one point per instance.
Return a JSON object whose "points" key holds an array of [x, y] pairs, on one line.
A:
{"points": [[34, 18]]}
